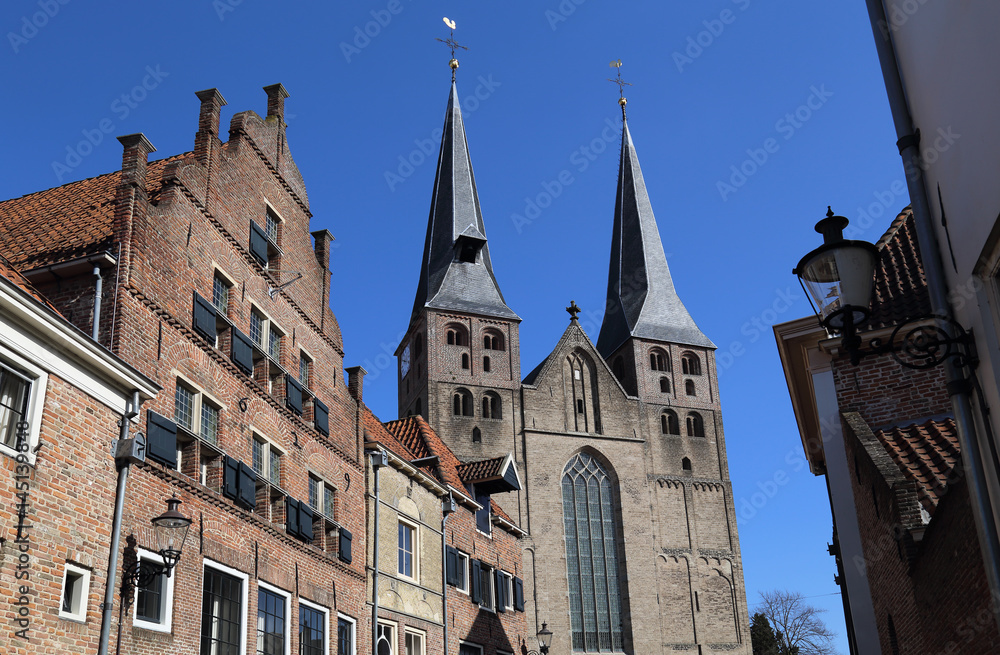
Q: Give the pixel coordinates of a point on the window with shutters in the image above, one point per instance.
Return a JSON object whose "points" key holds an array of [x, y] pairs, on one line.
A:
{"points": [[461, 572], [592, 560], [196, 413], [222, 288], [487, 592], [20, 410], [322, 497], [313, 620], [346, 635], [154, 600], [507, 591], [305, 370], [272, 620], [223, 611]]}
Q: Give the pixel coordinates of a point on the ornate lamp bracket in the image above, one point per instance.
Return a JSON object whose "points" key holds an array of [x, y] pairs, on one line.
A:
{"points": [[917, 344]]}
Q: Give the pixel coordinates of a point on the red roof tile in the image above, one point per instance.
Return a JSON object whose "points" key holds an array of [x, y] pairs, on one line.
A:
{"points": [[926, 453], [481, 470], [9, 272], [900, 284]]}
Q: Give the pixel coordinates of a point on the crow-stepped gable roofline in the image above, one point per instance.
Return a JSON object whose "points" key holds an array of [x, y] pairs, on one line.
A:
{"points": [[456, 273], [642, 301]]}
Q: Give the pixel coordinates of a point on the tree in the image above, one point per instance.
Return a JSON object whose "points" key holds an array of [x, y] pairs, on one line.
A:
{"points": [[798, 628], [765, 640]]}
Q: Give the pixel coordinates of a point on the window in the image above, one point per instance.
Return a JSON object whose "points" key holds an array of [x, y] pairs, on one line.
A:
{"points": [[669, 423], [690, 364], [271, 222], [265, 334], [312, 629], [414, 642], [346, 628], [664, 385], [456, 335], [493, 340], [686, 464], [469, 649], [689, 388], [257, 326], [272, 621], [194, 412], [486, 364], [305, 369], [477, 435], [487, 596], [579, 406], [220, 293], [407, 549], [15, 392], [695, 425], [322, 497], [658, 360], [266, 460], [154, 600], [75, 589], [462, 403], [507, 590], [184, 407], [492, 406], [483, 523], [591, 555], [385, 643], [223, 611], [457, 569], [465, 361], [274, 342]]}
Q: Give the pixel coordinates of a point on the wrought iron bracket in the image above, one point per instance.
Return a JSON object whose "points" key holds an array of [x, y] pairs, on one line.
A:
{"points": [[136, 573], [919, 347]]}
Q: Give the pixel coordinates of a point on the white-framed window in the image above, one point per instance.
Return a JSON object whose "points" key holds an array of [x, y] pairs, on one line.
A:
{"points": [[414, 641], [266, 460], [487, 595], [508, 591], [273, 609], [271, 222], [224, 610], [222, 286], [305, 369], [322, 497], [154, 601], [385, 639], [21, 389], [265, 333], [463, 573], [75, 589], [313, 622], [347, 629], [408, 547], [195, 412]]}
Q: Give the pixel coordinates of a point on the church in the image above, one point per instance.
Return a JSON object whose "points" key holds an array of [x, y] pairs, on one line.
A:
{"points": [[626, 496]]}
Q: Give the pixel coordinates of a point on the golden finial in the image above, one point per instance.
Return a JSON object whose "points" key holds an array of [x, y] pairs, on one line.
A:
{"points": [[450, 42], [622, 100]]}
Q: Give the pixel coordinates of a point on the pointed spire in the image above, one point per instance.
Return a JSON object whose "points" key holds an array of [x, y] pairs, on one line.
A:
{"points": [[642, 301], [456, 272]]}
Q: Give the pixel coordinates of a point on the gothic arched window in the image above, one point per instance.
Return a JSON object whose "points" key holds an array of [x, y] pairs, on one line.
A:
{"points": [[591, 556]]}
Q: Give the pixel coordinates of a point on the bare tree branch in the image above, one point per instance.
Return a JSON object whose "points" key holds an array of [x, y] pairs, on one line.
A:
{"points": [[799, 627]]}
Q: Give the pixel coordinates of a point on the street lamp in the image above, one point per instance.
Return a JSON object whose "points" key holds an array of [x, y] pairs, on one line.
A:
{"points": [[171, 530], [839, 277], [544, 640]]}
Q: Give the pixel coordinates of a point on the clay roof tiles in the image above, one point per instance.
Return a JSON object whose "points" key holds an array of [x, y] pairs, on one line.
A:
{"points": [[900, 283], [926, 453], [10, 273]]}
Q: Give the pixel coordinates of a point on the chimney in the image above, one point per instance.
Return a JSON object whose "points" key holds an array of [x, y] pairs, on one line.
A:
{"points": [[355, 381], [321, 248], [135, 158], [207, 137], [276, 95]]}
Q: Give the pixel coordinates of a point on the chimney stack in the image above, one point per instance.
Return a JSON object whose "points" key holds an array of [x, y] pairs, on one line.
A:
{"points": [[207, 137], [135, 159], [355, 381], [276, 95]]}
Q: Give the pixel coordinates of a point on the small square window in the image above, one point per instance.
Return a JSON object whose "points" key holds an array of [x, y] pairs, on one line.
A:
{"points": [[154, 600], [414, 642], [76, 588]]}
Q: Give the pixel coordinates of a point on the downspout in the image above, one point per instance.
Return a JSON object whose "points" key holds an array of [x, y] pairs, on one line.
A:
{"points": [[957, 384], [123, 462], [98, 283], [378, 460], [447, 507]]}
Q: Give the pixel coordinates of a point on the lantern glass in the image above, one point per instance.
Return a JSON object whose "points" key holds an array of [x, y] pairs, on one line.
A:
{"points": [[840, 276], [171, 530], [544, 636]]}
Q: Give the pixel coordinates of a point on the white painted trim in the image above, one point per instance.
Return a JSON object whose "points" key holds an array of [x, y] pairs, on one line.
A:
{"points": [[354, 632], [417, 633], [81, 614], [288, 610], [167, 598], [36, 401], [464, 555], [415, 544], [244, 609], [326, 622]]}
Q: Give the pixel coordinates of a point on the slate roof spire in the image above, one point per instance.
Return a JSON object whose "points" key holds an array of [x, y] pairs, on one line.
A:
{"points": [[456, 272], [642, 301]]}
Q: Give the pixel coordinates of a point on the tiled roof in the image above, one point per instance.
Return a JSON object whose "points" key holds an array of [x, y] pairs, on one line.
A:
{"points": [[481, 470], [900, 284], [926, 453], [9, 272], [68, 221]]}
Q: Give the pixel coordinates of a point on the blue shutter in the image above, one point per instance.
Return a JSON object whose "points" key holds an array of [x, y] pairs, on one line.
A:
{"points": [[321, 416], [292, 517], [258, 243], [483, 515], [204, 318], [518, 595], [475, 584], [248, 487], [231, 478], [451, 565], [344, 546], [499, 586], [242, 354], [161, 439], [305, 522], [293, 394]]}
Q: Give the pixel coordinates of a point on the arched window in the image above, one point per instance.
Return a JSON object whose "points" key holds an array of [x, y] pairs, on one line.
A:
{"points": [[491, 405], [465, 361], [658, 360], [686, 464], [493, 340], [461, 403], [669, 423], [664, 385], [689, 388], [457, 335], [695, 425], [486, 364], [477, 435], [418, 345], [690, 364], [591, 556]]}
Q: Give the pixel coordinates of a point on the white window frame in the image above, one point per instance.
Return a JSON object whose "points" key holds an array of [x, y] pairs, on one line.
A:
{"points": [[268, 325], [245, 594], [415, 542], [491, 595], [199, 398], [265, 474], [38, 382], [79, 614], [394, 627], [323, 488], [166, 597], [463, 566], [508, 601], [354, 633], [326, 622], [413, 632], [288, 612]]}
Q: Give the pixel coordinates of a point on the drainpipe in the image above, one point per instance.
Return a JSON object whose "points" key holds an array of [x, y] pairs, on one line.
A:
{"points": [[958, 386], [98, 282], [447, 507], [378, 459], [125, 450]]}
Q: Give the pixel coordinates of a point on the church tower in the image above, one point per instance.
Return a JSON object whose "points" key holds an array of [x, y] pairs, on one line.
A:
{"points": [[459, 363]]}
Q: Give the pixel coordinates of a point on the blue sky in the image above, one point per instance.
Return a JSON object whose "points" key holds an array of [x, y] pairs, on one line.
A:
{"points": [[749, 118]]}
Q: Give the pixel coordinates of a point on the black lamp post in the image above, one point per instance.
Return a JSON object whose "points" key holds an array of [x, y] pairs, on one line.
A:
{"points": [[544, 640], [171, 530], [839, 277]]}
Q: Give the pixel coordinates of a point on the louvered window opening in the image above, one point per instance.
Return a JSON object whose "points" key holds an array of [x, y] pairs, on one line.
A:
{"points": [[591, 557]]}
